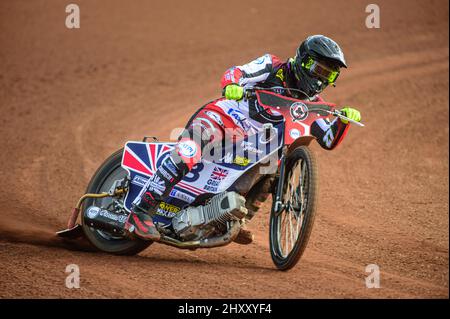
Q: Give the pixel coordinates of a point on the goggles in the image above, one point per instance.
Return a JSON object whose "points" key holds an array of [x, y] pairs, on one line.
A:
{"points": [[320, 70]]}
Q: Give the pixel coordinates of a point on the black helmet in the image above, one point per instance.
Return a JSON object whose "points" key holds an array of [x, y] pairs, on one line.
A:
{"points": [[316, 64]]}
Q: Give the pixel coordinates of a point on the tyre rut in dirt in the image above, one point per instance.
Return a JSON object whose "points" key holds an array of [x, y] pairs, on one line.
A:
{"points": [[297, 219], [101, 181]]}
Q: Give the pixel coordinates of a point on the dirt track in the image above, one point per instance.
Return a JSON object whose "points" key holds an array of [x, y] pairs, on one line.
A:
{"points": [[69, 98]]}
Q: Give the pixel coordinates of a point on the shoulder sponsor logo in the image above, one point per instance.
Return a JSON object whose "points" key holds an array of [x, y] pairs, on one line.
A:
{"points": [[187, 149], [260, 60], [299, 111]]}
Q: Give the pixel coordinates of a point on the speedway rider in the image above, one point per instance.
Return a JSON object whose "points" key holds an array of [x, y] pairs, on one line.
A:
{"points": [[316, 65]]}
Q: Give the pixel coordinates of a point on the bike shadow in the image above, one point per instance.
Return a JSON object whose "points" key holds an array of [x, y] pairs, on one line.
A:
{"points": [[230, 261]]}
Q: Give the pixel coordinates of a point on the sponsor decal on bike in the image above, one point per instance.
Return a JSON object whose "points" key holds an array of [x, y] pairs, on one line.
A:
{"points": [[182, 196], [215, 117], [167, 210], [171, 166], [118, 218], [139, 180], [217, 175], [187, 148], [157, 185], [328, 138], [93, 211], [248, 146], [299, 111], [165, 173], [294, 133]]}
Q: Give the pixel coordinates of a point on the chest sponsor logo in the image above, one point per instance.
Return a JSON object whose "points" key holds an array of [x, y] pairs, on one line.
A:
{"points": [[239, 119]]}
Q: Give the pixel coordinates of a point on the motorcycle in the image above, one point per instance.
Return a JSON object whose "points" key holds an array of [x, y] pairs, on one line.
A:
{"points": [[208, 207]]}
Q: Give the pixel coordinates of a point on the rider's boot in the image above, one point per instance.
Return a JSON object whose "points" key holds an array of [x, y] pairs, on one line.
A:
{"points": [[140, 221], [244, 237]]}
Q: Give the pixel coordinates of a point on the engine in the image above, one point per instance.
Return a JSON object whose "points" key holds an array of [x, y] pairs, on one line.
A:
{"points": [[196, 222]]}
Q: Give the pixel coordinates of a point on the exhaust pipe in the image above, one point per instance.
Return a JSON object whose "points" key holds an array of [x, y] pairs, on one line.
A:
{"points": [[223, 240], [105, 220]]}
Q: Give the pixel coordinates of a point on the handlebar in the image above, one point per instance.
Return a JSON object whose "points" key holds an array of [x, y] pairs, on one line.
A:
{"points": [[250, 93], [341, 116]]}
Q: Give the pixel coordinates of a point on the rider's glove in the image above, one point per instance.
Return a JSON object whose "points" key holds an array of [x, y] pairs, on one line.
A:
{"points": [[352, 114], [234, 92]]}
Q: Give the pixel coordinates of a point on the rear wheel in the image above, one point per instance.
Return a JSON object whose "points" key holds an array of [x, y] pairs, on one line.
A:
{"points": [[109, 172], [290, 229]]}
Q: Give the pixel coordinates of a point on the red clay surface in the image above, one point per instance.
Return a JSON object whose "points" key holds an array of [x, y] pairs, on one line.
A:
{"points": [[69, 98]]}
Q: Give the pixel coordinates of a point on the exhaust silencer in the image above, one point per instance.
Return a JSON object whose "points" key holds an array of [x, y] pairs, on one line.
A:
{"points": [[105, 220]]}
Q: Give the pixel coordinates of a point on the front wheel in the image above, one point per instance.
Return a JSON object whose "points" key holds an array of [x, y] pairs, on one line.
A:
{"points": [[109, 172], [290, 229]]}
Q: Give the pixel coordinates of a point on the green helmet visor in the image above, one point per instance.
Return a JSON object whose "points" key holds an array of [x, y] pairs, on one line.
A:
{"points": [[320, 70]]}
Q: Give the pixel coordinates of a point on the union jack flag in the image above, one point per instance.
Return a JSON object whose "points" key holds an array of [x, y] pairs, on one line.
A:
{"points": [[144, 158], [219, 173]]}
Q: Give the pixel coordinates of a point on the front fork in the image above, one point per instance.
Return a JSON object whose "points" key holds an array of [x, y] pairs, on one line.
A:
{"points": [[278, 205]]}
